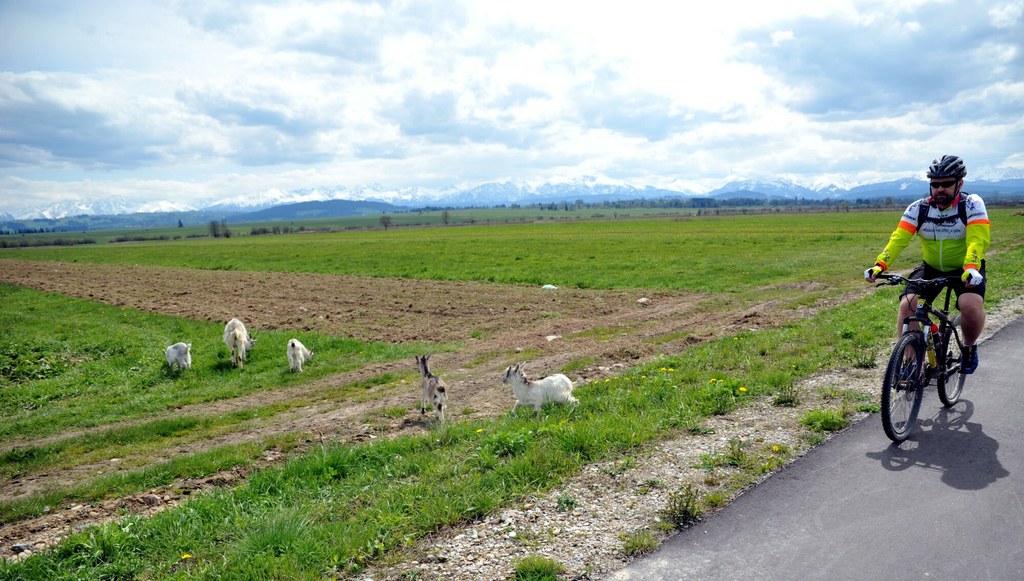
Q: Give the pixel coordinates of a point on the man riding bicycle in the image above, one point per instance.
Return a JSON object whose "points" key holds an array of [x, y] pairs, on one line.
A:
{"points": [[954, 230]]}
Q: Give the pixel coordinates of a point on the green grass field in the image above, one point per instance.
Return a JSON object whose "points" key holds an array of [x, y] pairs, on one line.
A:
{"points": [[338, 508], [403, 219], [733, 254], [726, 254]]}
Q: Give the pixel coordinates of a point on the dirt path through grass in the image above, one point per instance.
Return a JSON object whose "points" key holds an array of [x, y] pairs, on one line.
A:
{"points": [[494, 324]]}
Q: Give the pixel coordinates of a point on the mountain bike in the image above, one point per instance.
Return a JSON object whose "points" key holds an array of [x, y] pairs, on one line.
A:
{"points": [[926, 350]]}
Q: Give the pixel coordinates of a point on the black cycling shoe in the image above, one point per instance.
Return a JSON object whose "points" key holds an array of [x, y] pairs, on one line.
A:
{"points": [[970, 361]]}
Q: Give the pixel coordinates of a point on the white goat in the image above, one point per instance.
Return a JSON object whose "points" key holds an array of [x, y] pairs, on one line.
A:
{"points": [[435, 391], [554, 388], [297, 355], [237, 338], [179, 354]]}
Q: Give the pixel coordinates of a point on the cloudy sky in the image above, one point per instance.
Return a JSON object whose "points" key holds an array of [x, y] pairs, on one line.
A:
{"points": [[187, 100]]}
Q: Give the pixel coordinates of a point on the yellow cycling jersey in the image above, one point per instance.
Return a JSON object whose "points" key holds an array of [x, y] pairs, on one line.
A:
{"points": [[946, 241]]}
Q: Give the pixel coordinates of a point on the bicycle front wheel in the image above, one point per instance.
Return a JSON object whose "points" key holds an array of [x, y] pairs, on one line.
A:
{"points": [[903, 386], [951, 379]]}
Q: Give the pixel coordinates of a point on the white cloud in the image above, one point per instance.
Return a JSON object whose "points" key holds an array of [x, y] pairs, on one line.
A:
{"points": [[202, 99], [781, 36], [1006, 15]]}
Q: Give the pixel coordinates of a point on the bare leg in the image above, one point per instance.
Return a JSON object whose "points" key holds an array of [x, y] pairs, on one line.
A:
{"points": [[972, 316], [908, 306]]}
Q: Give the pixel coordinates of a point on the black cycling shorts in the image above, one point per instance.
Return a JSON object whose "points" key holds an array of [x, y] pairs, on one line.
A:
{"points": [[927, 272]]}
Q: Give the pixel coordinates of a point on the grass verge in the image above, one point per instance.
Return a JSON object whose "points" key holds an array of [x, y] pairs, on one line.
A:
{"points": [[354, 504], [98, 365]]}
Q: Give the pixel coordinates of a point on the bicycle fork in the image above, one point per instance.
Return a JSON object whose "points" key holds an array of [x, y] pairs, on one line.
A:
{"points": [[930, 340], [931, 344]]}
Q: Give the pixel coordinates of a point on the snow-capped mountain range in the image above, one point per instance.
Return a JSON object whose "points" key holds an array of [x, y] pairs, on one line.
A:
{"points": [[590, 189]]}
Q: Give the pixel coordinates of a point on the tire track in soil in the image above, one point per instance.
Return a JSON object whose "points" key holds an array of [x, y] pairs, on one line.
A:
{"points": [[507, 319]]}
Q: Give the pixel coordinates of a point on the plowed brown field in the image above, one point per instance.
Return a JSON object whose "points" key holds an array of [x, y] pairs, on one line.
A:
{"points": [[491, 323]]}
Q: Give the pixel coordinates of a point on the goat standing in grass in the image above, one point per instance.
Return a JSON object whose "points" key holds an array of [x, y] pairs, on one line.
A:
{"points": [[237, 338], [297, 355], [435, 391], [179, 355], [554, 388]]}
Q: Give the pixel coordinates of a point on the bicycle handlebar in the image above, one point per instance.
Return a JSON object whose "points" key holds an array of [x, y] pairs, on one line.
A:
{"points": [[922, 283]]}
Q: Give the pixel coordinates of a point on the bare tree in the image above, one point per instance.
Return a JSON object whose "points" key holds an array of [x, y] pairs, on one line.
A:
{"points": [[445, 217], [385, 221]]}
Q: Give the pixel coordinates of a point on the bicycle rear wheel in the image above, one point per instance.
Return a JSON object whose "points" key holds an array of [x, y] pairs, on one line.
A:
{"points": [[903, 386], [951, 381]]}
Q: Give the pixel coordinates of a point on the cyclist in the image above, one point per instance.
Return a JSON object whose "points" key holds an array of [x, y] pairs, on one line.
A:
{"points": [[954, 229]]}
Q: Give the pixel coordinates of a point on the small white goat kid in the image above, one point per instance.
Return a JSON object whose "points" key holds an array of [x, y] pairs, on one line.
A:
{"points": [[297, 355], [435, 391], [179, 354], [237, 338], [554, 388]]}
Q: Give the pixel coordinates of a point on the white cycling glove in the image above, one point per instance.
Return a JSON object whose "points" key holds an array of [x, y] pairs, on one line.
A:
{"points": [[972, 277], [871, 273]]}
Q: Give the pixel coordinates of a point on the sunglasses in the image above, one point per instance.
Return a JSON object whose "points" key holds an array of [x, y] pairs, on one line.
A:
{"points": [[937, 185]]}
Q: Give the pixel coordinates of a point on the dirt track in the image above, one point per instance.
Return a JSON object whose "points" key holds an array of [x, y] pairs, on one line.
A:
{"points": [[493, 322]]}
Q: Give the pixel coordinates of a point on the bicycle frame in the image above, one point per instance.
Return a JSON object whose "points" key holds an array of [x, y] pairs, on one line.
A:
{"points": [[921, 339], [923, 315]]}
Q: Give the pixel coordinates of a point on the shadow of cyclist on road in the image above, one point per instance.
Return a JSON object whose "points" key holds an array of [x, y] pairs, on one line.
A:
{"points": [[950, 444]]}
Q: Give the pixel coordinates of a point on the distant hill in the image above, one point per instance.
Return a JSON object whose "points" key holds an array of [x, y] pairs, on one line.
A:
{"points": [[766, 190], [297, 211], [83, 223], [745, 195], [264, 208], [491, 194], [913, 189], [995, 190], [324, 209]]}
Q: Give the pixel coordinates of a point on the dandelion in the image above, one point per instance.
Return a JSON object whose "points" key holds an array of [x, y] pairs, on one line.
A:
{"points": [[671, 369], [479, 430], [643, 377], [742, 389], [712, 380], [606, 380], [185, 556], [776, 448], [663, 369]]}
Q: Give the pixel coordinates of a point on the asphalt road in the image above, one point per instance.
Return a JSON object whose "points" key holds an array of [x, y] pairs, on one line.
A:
{"points": [[946, 504]]}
